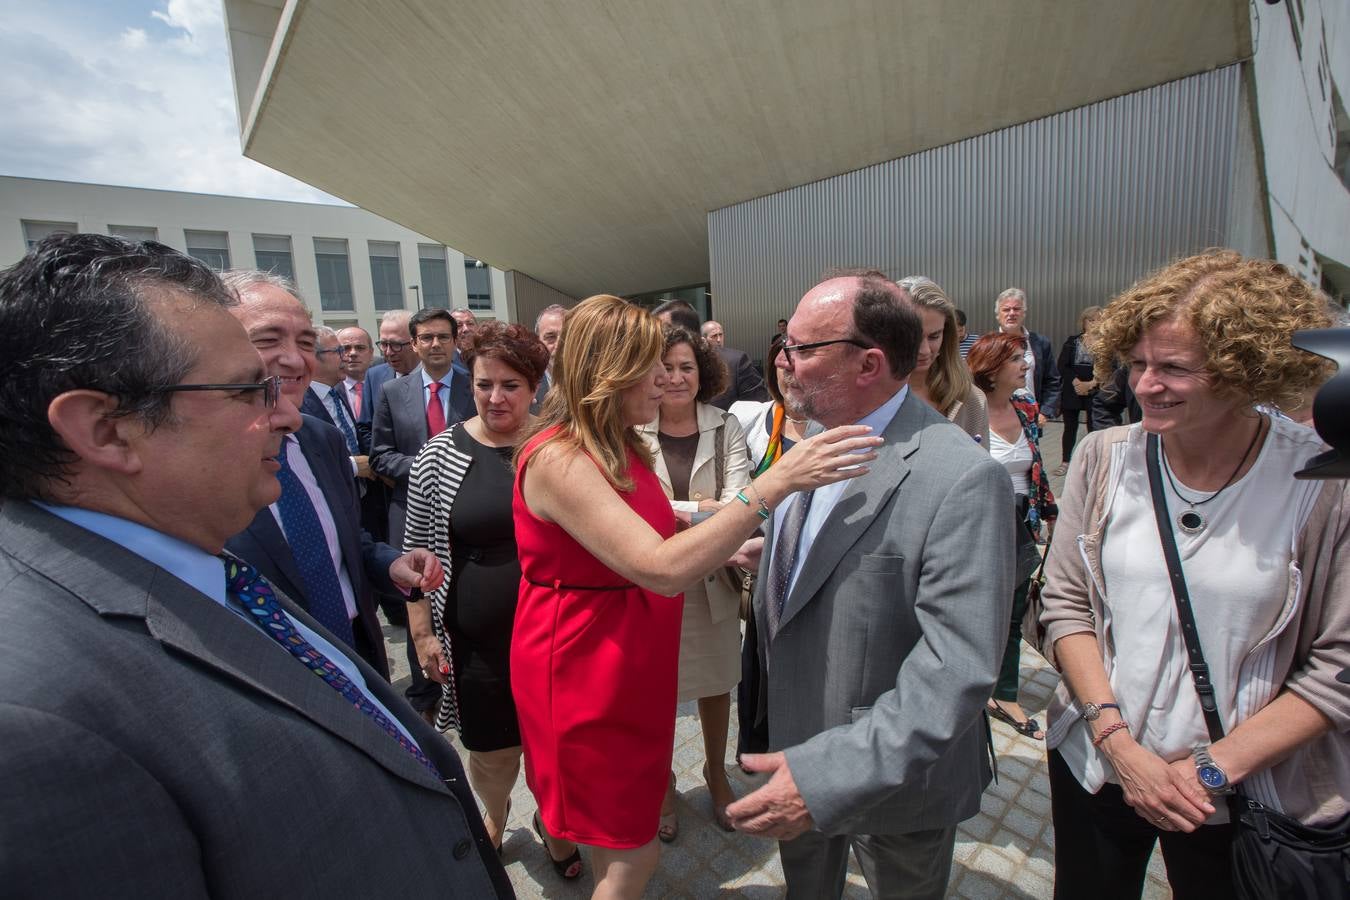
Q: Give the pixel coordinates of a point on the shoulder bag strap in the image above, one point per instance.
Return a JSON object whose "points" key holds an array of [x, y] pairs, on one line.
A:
{"points": [[1199, 668], [720, 457]]}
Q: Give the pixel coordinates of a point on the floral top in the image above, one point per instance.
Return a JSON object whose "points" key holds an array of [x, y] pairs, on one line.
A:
{"points": [[1042, 502]]}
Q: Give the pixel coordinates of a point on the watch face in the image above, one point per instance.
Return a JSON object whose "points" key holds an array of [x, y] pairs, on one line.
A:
{"points": [[1212, 777]]}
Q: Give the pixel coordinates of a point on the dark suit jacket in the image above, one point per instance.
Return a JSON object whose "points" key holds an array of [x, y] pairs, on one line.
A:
{"points": [[1047, 374], [313, 406], [743, 381], [400, 430], [156, 745], [263, 545], [376, 378]]}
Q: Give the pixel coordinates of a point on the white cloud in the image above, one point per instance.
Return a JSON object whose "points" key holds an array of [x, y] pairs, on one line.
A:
{"points": [[148, 103]]}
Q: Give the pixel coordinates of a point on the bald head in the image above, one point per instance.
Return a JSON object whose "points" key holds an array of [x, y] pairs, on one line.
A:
{"points": [[713, 333]]}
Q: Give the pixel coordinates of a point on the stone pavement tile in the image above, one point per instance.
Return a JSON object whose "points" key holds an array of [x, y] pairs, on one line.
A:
{"points": [[1035, 803], [1024, 823], [1032, 884], [980, 826], [992, 804], [992, 863], [977, 886]]}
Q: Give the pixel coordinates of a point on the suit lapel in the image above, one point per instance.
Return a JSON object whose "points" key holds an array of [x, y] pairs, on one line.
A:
{"points": [[857, 507], [271, 541], [414, 409], [119, 584]]}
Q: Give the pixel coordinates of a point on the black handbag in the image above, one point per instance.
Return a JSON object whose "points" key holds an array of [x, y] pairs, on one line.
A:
{"points": [[1273, 855]]}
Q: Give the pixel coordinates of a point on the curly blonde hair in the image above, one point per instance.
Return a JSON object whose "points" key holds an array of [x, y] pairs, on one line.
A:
{"points": [[1244, 311], [607, 345]]}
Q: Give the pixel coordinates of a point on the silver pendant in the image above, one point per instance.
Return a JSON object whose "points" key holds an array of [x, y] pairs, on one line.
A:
{"points": [[1191, 522]]}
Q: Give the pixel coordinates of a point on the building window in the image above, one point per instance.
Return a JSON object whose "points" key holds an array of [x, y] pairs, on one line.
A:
{"points": [[479, 279], [435, 275], [273, 254], [335, 274], [211, 247], [385, 276], [33, 232], [134, 232]]}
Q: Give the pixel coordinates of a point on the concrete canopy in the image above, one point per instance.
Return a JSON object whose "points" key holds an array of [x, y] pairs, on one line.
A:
{"points": [[585, 142]]}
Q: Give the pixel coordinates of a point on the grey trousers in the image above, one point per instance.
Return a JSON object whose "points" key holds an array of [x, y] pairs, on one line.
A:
{"points": [[914, 866]]}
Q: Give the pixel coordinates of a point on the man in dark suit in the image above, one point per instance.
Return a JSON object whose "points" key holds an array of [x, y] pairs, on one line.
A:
{"points": [[411, 411], [745, 382], [310, 542], [159, 742], [399, 359], [879, 634], [1042, 373], [548, 326], [327, 400]]}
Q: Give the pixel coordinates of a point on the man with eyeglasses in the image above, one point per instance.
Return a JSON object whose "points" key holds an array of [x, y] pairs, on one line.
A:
{"points": [[411, 411], [879, 631], [327, 400], [172, 725], [399, 359]]}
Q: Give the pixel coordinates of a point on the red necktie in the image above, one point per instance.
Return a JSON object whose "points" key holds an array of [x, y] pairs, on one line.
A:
{"points": [[356, 404], [435, 414]]}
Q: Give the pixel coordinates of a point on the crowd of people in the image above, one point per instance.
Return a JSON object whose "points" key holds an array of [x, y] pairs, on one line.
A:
{"points": [[584, 523]]}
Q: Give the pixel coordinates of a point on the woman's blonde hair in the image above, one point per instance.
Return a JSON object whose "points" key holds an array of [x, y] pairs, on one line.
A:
{"points": [[948, 379], [1244, 313], [607, 345]]}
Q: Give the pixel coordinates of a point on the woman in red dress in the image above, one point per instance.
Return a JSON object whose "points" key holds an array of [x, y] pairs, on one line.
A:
{"points": [[595, 648]]}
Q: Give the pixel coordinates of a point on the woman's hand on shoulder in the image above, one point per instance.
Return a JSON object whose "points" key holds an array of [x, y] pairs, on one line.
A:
{"points": [[835, 455]]}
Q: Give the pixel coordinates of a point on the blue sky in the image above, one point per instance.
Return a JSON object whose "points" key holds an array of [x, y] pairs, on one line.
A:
{"points": [[128, 93]]}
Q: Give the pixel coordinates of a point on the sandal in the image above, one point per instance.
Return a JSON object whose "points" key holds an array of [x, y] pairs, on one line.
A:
{"points": [[1030, 728], [563, 867], [670, 824]]}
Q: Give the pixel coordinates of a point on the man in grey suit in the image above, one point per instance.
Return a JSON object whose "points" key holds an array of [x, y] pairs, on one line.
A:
{"points": [[158, 740], [882, 611]]}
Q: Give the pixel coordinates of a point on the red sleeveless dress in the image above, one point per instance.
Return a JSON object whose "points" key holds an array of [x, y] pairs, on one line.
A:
{"points": [[593, 672]]}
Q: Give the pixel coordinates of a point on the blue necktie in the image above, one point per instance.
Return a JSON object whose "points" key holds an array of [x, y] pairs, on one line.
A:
{"points": [[340, 417], [246, 586], [310, 549]]}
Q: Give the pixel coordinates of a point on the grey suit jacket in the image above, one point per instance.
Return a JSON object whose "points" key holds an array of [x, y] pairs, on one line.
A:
{"points": [[399, 431], [891, 638], [158, 745]]}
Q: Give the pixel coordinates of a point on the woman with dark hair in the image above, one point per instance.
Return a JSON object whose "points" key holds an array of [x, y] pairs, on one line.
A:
{"points": [[1135, 757], [998, 366], [699, 456], [459, 506], [595, 650], [1079, 384]]}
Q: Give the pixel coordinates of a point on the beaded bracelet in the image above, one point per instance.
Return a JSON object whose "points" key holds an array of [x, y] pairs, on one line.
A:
{"points": [[1108, 731], [763, 511]]}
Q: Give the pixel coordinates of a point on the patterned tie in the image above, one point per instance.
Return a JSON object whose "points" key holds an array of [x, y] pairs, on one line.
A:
{"points": [[247, 588], [340, 417], [785, 549], [435, 414], [356, 401], [308, 545]]}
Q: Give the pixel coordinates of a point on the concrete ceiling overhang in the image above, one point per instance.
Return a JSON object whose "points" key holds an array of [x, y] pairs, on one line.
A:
{"points": [[585, 142]]}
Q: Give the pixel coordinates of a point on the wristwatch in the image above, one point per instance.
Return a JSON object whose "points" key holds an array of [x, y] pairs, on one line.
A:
{"points": [[1214, 779], [1092, 710]]}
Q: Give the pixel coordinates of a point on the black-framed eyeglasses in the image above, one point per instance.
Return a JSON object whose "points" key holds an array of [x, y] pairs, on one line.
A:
{"points": [[391, 346], [270, 387], [320, 351], [789, 349]]}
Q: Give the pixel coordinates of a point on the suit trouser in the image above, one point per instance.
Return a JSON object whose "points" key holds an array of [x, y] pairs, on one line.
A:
{"points": [[913, 866]]}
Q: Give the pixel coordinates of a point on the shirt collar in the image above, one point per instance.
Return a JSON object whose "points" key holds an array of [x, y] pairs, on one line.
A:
{"points": [[320, 389], [445, 379], [184, 561]]}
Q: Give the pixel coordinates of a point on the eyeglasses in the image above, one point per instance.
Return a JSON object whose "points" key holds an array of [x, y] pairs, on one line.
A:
{"points": [[789, 349], [270, 387], [393, 346], [430, 338], [320, 351], [353, 348]]}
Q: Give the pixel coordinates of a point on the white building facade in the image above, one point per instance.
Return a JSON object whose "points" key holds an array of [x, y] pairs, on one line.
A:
{"points": [[351, 265]]}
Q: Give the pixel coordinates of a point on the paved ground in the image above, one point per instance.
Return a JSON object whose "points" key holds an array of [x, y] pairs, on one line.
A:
{"points": [[1005, 851]]}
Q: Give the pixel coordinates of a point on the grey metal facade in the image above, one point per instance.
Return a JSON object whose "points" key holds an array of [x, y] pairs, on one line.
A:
{"points": [[1071, 208], [526, 298]]}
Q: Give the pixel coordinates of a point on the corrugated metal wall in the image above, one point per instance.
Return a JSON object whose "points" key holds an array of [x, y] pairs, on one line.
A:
{"points": [[1071, 208], [526, 298]]}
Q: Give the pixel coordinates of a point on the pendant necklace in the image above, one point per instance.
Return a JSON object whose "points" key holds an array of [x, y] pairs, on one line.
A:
{"points": [[1191, 521]]}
